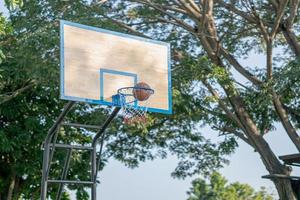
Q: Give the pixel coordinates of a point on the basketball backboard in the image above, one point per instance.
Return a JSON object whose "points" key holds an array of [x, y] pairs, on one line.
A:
{"points": [[96, 62]]}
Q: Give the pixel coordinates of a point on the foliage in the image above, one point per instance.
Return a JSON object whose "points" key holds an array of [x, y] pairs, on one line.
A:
{"points": [[206, 90], [236, 97], [5, 31], [218, 188], [13, 4], [288, 85], [30, 103]]}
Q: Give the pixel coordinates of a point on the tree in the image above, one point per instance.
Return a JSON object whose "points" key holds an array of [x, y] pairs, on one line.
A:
{"points": [[209, 38], [29, 89], [219, 189]]}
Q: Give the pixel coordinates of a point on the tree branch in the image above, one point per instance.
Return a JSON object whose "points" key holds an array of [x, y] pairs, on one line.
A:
{"points": [[194, 5], [5, 98], [222, 105], [291, 39], [294, 4], [161, 10], [189, 8], [280, 13], [269, 59], [231, 59], [233, 9], [127, 27], [236, 133], [274, 3], [184, 26], [291, 131], [175, 9]]}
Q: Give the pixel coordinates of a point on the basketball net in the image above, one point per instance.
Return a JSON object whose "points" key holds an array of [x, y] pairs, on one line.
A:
{"points": [[132, 113]]}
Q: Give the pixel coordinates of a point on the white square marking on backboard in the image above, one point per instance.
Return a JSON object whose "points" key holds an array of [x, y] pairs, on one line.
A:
{"points": [[113, 82]]}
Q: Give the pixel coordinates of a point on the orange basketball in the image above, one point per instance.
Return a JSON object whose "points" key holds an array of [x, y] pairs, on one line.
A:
{"points": [[140, 94]]}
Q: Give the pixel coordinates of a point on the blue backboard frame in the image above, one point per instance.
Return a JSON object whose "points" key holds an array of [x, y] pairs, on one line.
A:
{"points": [[102, 102]]}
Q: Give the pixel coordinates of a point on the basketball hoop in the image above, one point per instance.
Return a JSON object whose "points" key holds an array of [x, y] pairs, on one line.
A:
{"points": [[128, 98]]}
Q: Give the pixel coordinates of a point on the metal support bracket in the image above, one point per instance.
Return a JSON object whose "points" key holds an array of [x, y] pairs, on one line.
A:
{"points": [[49, 146]]}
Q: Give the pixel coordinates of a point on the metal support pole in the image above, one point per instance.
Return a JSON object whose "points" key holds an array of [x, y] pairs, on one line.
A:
{"points": [[64, 173], [81, 125], [100, 152], [46, 153], [94, 152], [71, 182], [67, 146], [52, 148], [94, 168]]}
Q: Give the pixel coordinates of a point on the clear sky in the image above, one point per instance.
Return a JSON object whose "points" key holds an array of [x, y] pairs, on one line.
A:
{"points": [[152, 180], [2, 8]]}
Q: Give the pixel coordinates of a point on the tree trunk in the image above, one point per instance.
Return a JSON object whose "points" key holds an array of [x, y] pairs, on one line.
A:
{"points": [[291, 39], [212, 46], [269, 159], [17, 188], [284, 189], [272, 164], [11, 186], [284, 118]]}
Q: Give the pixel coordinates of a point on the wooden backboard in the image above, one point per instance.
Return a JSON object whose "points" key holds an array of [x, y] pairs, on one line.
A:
{"points": [[96, 62]]}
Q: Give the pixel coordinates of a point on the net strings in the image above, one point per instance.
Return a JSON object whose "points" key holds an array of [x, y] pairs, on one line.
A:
{"points": [[130, 114]]}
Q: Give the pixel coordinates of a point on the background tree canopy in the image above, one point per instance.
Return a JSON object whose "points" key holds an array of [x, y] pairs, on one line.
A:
{"points": [[209, 38], [218, 189], [29, 104]]}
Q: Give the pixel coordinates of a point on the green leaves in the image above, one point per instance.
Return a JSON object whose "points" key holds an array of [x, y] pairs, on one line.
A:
{"points": [[6, 145], [2, 57], [5, 31], [32, 55], [13, 4], [287, 84], [217, 188]]}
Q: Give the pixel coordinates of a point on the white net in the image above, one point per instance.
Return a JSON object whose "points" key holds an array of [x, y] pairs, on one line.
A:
{"points": [[134, 114]]}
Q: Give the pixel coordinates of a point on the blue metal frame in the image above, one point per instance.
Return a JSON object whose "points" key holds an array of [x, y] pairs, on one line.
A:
{"points": [[62, 92]]}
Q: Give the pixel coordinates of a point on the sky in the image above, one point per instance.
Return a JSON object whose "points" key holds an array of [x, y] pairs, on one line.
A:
{"points": [[152, 179], [2, 7]]}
